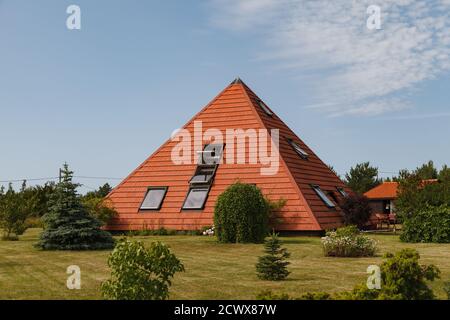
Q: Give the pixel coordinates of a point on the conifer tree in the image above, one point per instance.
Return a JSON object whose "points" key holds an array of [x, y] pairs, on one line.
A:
{"points": [[273, 265], [68, 225], [362, 177]]}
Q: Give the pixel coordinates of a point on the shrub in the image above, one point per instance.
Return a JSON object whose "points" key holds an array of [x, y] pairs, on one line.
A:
{"points": [[273, 265], [241, 214], [447, 289], [316, 296], [99, 208], [431, 224], [269, 295], [158, 232], [348, 231], [415, 195], [207, 231], [402, 278], [34, 222], [138, 273], [356, 210], [152, 232], [348, 242], [361, 292], [401, 274], [189, 232]]}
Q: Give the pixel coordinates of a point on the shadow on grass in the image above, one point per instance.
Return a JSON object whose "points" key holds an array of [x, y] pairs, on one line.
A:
{"points": [[9, 264], [300, 241]]}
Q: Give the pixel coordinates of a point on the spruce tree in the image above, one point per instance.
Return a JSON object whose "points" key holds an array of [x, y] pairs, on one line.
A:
{"points": [[68, 225], [273, 265]]}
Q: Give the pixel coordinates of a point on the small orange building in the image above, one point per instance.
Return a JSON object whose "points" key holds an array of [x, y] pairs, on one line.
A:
{"points": [[167, 190], [382, 198], [382, 201]]}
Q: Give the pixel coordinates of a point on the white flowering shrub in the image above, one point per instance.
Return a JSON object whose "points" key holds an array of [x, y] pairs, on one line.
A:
{"points": [[348, 242], [209, 232]]}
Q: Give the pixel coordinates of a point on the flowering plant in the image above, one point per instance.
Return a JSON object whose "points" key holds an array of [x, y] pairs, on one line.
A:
{"points": [[348, 244], [208, 232]]}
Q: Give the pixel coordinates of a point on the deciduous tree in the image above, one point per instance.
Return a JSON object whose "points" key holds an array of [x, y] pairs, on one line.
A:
{"points": [[139, 273], [14, 210]]}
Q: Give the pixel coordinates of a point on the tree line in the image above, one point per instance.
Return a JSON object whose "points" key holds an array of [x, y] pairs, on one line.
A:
{"points": [[364, 176], [24, 208]]}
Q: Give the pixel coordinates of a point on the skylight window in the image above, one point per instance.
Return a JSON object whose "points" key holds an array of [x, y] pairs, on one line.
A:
{"points": [[211, 154], [265, 108], [302, 153], [196, 198], [154, 198], [342, 192], [203, 175], [323, 196]]}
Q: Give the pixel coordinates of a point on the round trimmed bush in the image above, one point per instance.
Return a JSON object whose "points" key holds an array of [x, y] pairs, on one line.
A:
{"points": [[241, 214]]}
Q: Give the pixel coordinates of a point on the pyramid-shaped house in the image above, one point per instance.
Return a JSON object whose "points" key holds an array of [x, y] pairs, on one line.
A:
{"points": [[236, 137]]}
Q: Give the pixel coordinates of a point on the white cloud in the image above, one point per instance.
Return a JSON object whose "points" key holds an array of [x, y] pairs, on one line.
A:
{"points": [[361, 71], [240, 14], [438, 115]]}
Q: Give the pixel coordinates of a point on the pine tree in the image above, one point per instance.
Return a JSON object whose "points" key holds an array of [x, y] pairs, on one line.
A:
{"points": [[362, 177], [68, 225], [273, 265]]}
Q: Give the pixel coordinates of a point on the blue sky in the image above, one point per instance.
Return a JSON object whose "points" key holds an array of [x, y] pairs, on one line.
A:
{"points": [[103, 98]]}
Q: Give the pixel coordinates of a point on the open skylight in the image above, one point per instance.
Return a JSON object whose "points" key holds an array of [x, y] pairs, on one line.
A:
{"points": [[154, 198], [342, 192], [323, 196], [211, 154], [302, 153], [203, 174], [265, 108]]}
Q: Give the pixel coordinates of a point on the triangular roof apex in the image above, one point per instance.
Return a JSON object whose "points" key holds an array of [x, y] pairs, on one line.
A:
{"points": [[237, 81]]}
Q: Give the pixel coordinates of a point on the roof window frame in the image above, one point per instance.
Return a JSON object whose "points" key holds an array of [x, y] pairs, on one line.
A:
{"points": [[207, 188], [323, 196], [342, 192], [265, 108], [149, 189], [299, 150]]}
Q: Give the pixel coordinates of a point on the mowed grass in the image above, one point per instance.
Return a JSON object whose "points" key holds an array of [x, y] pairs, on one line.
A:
{"points": [[213, 270]]}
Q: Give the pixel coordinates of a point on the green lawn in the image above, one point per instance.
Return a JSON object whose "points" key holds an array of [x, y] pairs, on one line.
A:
{"points": [[213, 270]]}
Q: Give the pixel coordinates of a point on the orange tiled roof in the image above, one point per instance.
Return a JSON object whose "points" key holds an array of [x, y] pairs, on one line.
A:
{"points": [[386, 190], [237, 106]]}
